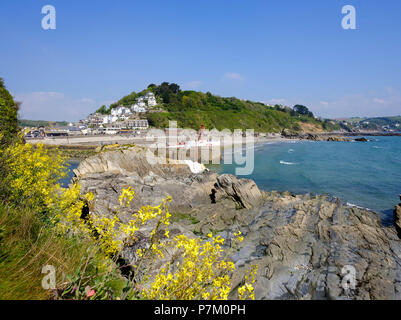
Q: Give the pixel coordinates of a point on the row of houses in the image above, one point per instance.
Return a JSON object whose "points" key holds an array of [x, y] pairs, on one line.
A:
{"points": [[125, 126], [143, 105], [122, 117], [128, 121], [119, 127], [93, 126]]}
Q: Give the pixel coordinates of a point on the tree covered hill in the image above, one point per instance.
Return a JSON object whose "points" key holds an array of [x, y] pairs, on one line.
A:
{"points": [[192, 109], [373, 124], [40, 123]]}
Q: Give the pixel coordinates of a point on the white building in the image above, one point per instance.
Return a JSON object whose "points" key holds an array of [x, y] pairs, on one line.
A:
{"points": [[151, 99], [94, 119], [136, 108], [120, 111], [86, 131], [137, 124], [109, 119], [141, 102]]}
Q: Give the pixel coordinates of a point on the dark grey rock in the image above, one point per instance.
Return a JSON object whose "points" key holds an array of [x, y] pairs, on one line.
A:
{"points": [[301, 243]]}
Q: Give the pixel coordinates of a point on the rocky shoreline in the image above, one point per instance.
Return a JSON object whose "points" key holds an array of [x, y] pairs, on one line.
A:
{"points": [[321, 136], [301, 243], [328, 136]]}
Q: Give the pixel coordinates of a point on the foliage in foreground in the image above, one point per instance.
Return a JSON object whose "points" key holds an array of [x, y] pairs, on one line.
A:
{"points": [[43, 224], [8, 115]]}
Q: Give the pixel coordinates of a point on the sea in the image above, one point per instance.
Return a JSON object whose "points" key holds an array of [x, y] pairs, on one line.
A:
{"points": [[363, 174]]}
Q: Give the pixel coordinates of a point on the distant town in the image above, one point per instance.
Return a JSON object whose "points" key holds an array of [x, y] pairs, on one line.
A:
{"points": [[131, 115], [122, 119]]}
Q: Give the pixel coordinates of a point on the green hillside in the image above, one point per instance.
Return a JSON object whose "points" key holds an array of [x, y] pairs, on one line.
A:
{"points": [[192, 109], [377, 123], [39, 123]]}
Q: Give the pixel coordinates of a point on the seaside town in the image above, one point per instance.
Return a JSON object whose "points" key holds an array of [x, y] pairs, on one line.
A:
{"points": [[122, 120]]}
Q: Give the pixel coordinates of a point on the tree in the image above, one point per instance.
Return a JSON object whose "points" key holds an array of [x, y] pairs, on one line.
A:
{"points": [[174, 88], [302, 110], [167, 91], [8, 115], [102, 110]]}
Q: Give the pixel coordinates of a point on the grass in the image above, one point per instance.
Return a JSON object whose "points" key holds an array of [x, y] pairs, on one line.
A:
{"points": [[176, 217], [74, 152], [27, 243]]}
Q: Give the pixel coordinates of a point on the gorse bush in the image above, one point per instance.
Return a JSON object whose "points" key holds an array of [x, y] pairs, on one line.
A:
{"points": [[197, 269], [201, 271], [201, 274], [32, 175]]}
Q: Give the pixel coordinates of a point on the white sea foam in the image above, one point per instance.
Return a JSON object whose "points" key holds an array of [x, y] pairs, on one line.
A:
{"points": [[356, 206], [287, 163]]}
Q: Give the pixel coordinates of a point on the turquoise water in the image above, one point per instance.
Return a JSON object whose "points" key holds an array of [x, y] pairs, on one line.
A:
{"points": [[71, 166], [363, 174]]}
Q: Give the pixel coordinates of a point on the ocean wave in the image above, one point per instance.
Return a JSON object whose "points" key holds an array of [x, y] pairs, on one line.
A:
{"points": [[356, 206], [376, 147], [291, 150], [287, 163]]}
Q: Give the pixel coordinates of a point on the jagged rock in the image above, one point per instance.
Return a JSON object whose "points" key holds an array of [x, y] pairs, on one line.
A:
{"points": [[244, 192], [361, 140], [207, 196], [300, 243], [310, 136], [315, 137], [287, 133], [134, 161], [337, 139], [397, 218]]}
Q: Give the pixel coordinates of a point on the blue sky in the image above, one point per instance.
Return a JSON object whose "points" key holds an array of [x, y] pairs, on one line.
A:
{"points": [[286, 51]]}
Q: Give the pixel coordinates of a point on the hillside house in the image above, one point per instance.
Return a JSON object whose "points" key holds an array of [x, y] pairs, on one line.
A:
{"points": [[138, 109], [121, 111], [137, 124], [95, 119], [151, 99]]}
